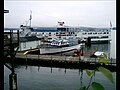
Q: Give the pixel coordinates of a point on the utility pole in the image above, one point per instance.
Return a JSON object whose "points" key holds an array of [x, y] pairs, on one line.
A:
{"points": [[11, 46], [12, 76]]}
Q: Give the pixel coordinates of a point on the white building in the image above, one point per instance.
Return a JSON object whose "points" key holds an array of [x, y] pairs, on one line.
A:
{"points": [[26, 43]]}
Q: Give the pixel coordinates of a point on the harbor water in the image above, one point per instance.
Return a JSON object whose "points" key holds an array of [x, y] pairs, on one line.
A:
{"points": [[43, 78], [48, 78]]}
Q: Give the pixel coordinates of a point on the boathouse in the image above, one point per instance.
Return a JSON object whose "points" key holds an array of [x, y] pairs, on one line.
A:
{"points": [[29, 42]]}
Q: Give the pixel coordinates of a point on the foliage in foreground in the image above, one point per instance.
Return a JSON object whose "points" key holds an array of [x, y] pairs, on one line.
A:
{"points": [[90, 73]]}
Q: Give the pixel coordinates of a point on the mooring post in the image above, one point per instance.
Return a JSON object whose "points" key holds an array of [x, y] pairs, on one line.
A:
{"points": [[61, 53], [79, 71], [13, 81], [51, 69], [51, 63], [65, 70], [26, 61], [38, 56], [38, 63], [82, 54], [65, 57], [65, 65], [38, 67], [81, 78], [26, 58], [12, 76], [51, 57]]}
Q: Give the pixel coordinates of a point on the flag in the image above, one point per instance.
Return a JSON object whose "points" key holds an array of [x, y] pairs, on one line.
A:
{"points": [[110, 24], [30, 15]]}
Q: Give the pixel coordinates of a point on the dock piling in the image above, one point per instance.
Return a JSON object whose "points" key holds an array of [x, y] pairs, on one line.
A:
{"points": [[26, 61], [13, 81], [51, 58], [51, 69], [38, 56]]}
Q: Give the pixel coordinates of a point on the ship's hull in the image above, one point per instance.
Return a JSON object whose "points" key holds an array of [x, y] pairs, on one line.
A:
{"points": [[59, 50]]}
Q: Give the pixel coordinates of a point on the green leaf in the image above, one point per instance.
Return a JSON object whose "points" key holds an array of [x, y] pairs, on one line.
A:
{"points": [[83, 88], [105, 55], [106, 73], [89, 73], [97, 86], [6, 53], [103, 60]]}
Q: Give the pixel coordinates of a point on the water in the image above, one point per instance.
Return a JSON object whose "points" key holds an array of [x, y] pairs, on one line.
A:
{"points": [[46, 78], [42, 79]]}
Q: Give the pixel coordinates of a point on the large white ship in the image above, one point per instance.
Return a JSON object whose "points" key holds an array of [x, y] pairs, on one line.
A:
{"points": [[97, 35], [67, 32]]}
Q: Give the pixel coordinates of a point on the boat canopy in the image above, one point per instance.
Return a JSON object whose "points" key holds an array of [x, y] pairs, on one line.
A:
{"points": [[60, 42]]}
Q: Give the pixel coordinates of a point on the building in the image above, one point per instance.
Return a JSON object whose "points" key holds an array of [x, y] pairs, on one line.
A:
{"points": [[27, 43]]}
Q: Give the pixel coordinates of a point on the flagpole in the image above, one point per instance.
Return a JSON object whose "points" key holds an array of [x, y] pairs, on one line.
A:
{"points": [[110, 25], [110, 40], [30, 17]]}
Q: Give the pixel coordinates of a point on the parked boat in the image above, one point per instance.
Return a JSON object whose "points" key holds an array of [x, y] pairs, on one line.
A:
{"points": [[58, 46], [98, 54]]}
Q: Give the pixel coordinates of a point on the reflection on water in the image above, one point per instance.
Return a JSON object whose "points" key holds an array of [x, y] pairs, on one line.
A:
{"points": [[31, 78]]}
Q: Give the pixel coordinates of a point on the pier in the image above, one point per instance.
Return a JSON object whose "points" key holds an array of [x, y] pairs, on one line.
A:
{"points": [[63, 61]]}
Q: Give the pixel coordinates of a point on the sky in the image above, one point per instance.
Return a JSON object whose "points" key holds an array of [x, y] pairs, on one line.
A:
{"points": [[92, 13]]}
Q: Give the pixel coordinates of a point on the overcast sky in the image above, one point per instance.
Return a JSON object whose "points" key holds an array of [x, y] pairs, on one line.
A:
{"points": [[74, 13]]}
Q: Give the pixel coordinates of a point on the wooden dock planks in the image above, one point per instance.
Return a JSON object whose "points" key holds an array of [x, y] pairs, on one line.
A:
{"points": [[62, 58]]}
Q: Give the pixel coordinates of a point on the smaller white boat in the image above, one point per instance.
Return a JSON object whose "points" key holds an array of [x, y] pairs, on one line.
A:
{"points": [[60, 43], [98, 53], [59, 46]]}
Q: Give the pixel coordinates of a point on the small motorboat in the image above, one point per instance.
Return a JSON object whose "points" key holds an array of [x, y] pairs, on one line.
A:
{"points": [[97, 54], [59, 46]]}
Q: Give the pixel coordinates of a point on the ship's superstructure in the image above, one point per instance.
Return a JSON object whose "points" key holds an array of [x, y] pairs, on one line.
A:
{"points": [[67, 32]]}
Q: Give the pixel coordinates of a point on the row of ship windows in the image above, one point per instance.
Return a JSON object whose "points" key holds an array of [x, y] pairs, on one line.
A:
{"points": [[84, 38], [59, 33], [97, 37], [68, 29], [96, 33], [65, 38], [64, 35]]}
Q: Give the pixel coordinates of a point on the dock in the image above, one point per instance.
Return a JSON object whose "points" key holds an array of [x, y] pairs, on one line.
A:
{"points": [[63, 61]]}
